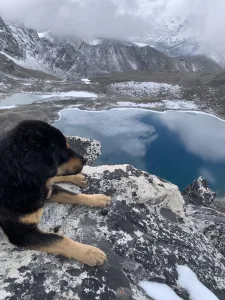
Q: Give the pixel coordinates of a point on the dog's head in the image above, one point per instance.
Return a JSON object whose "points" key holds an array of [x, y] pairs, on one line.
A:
{"points": [[46, 150]]}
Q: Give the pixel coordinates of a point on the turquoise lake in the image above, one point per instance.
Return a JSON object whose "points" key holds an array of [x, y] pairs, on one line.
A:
{"points": [[177, 146]]}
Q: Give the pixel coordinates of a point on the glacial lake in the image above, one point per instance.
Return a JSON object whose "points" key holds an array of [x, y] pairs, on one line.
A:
{"points": [[177, 146], [29, 98]]}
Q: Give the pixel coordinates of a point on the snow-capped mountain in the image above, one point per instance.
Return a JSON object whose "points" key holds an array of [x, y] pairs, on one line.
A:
{"points": [[72, 57], [176, 37]]}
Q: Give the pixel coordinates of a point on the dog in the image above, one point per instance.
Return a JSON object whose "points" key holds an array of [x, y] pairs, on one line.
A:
{"points": [[34, 156]]}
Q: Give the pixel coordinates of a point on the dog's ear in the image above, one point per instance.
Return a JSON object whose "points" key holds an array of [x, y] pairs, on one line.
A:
{"points": [[41, 163]]}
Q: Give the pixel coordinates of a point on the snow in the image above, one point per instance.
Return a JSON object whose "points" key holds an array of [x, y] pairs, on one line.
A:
{"points": [[187, 280], [29, 63], [7, 107], [134, 88], [78, 94], [86, 80], [140, 44], [26, 83], [94, 42], [43, 34], [168, 104], [158, 291], [180, 104], [142, 105], [202, 189], [16, 61]]}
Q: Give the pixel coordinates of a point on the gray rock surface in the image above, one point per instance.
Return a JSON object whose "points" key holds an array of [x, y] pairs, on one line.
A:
{"points": [[199, 193], [211, 223], [90, 149], [145, 233]]}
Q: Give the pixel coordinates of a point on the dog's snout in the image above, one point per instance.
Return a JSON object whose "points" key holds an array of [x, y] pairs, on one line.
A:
{"points": [[84, 160]]}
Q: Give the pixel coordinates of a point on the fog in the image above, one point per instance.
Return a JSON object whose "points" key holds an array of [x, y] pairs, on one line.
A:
{"points": [[120, 18]]}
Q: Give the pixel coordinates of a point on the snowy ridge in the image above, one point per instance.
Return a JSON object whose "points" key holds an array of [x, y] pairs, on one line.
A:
{"points": [[72, 57], [176, 37]]}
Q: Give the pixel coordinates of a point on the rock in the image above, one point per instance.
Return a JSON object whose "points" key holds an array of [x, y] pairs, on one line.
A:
{"points": [[88, 148], [219, 205], [211, 223], [123, 294], [199, 193], [145, 233]]}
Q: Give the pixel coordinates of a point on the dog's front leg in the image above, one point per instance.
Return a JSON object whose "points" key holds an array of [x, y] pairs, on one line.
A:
{"points": [[79, 180], [61, 195], [25, 233]]}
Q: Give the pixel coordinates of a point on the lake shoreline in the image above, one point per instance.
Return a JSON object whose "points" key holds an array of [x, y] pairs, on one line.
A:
{"points": [[179, 147]]}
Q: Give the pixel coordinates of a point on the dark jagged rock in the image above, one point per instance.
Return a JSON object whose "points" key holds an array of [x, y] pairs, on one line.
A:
{"points": [[145, 233], [199, 193]]}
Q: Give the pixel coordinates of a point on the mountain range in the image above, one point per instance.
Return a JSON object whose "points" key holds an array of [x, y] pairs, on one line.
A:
{"points": [[70, 57]]}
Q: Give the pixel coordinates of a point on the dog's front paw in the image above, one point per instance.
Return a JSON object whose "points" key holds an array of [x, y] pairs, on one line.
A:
{"points": [[91, 256], [99, 200], [79, 180]]}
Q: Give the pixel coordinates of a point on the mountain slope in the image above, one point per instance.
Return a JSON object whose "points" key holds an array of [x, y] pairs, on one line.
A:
{"points": [[70, 57], [176, 37]]}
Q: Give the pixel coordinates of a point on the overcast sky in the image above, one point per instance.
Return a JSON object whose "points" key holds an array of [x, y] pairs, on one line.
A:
{"points": [[118, 18]]}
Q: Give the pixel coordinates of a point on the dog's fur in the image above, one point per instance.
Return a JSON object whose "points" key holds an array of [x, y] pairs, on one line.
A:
{"points": [[33, 156]]}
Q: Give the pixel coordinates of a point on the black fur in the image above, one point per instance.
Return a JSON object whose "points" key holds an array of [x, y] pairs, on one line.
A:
{"points": [[58, 190], [30, 154]]}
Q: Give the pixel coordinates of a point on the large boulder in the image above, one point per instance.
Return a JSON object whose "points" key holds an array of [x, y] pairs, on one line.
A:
{"points": [[144, 232], [199, 193]]}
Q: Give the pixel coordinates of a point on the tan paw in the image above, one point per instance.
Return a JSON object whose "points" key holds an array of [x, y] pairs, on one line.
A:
{"points": [[92, 256], [79, 180], [99, 200]]}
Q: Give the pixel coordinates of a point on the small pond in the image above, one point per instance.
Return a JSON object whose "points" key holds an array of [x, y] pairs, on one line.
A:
{"points": [[177, 146], [29, 98]]}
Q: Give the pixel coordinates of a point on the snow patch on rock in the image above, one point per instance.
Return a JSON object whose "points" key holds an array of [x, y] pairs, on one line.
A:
{"points": [[163, 104], [86, 81], [134, 89], [187, 279]]}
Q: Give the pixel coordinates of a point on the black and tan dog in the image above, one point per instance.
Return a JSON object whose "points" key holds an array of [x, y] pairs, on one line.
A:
{"points": [[33, 156]]}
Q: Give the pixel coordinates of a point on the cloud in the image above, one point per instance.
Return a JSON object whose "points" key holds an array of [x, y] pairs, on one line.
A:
{"points": [[208, 175], [104, 18], [201, 135], [120, 18], [112, 129]]}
